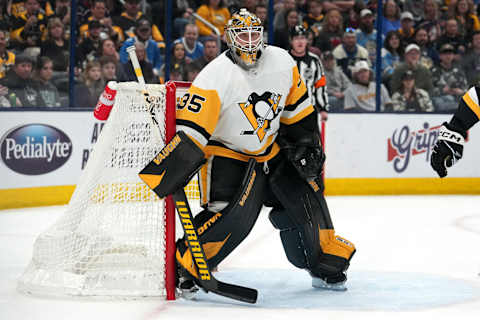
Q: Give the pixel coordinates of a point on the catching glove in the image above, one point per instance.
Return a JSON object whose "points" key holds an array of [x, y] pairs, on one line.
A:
{"points": [[307, 157], [448, 149]]}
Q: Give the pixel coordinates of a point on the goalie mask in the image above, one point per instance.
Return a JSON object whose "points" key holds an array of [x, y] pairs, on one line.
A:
{"points": [[244, 33]]}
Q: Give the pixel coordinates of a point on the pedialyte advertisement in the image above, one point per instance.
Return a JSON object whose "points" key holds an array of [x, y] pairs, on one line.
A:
{"points": [[45, 148]]}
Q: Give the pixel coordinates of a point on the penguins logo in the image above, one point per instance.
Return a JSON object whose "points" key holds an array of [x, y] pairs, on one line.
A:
{"points": [[260, 111]]}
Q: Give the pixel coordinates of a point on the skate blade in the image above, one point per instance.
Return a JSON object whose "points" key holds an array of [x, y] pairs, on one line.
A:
{"points": [[322, 284], [188, 294]]}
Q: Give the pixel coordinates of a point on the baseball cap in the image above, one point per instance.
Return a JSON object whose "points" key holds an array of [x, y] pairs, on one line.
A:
{"points": [[143, 23], [361, 65], [447, 47], [298, 31], [412, 46], [365, 12], [408, 75], [406, 15]]}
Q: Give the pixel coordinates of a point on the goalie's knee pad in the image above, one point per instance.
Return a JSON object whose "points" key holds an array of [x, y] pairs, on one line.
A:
{"points": [[173, 166], [306, 228]]}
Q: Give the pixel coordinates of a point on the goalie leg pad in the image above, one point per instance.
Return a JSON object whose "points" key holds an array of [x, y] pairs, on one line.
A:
{"points": [[173, 166], [291, 239], [331, 255], [325, 255], [221, 232]]}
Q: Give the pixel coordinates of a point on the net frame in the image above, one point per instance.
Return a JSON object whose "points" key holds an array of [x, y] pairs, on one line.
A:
{"points": [[171, 96], [37, 281]]}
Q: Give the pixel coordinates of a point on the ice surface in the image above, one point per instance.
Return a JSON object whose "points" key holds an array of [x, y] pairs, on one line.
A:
{"points": [[417, 258]]}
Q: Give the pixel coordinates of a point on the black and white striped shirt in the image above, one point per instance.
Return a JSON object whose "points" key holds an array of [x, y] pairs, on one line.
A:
{"points": [[311, 70]]}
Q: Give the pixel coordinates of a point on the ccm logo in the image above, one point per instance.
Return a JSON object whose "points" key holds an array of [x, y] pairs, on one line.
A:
{"points": [[450, 136]]}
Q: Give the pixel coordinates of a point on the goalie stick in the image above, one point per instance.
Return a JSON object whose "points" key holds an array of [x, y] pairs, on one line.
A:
{"points": [[206, 279], [141, 80]]}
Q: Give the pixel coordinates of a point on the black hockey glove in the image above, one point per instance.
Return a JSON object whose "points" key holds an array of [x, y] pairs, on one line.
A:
{"points": [[448, 149], [307, 157]]}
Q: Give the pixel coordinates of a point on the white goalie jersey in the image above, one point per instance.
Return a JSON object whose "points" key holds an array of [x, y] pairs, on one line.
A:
{"points": [[236, 113]]}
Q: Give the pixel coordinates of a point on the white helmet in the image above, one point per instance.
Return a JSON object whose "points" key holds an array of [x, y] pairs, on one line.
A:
{"points": [[244, 33]]}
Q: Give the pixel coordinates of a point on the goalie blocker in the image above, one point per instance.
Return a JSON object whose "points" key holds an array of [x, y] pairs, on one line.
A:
{"points": [[174, 166]]}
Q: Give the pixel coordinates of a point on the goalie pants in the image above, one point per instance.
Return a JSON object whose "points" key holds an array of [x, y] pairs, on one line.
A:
{"points": [[300, 214]]}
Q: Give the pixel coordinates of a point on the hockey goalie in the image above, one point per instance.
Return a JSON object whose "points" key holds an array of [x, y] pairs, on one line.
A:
{"points": [[251, 103]]}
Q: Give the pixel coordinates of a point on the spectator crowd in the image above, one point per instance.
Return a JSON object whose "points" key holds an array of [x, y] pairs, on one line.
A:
{"points": [[430, 49]]}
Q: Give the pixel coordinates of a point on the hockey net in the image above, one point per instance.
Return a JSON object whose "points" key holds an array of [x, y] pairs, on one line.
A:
{"points": [[116, 238]]}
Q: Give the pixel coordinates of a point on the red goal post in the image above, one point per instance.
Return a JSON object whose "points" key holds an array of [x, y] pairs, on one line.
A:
{"points": [[174, 91]]}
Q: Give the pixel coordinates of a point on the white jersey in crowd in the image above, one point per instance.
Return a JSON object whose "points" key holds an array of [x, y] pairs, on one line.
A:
{"points": [[362, 98], [237, 113]]}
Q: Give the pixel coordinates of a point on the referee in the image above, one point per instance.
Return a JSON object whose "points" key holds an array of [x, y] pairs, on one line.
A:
{"points": [[311, 69]]}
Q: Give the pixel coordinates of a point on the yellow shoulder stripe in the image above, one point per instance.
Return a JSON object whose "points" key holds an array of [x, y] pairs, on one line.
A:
{"points": [[298, 117], [472, 104], [298, 88]]}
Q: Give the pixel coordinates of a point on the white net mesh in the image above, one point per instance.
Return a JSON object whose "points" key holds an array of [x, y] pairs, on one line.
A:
{"points": [[111, 239]]}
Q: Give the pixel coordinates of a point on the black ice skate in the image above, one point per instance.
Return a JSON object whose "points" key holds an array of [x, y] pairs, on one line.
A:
{"points": [[335, 283], [186, 284]]}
